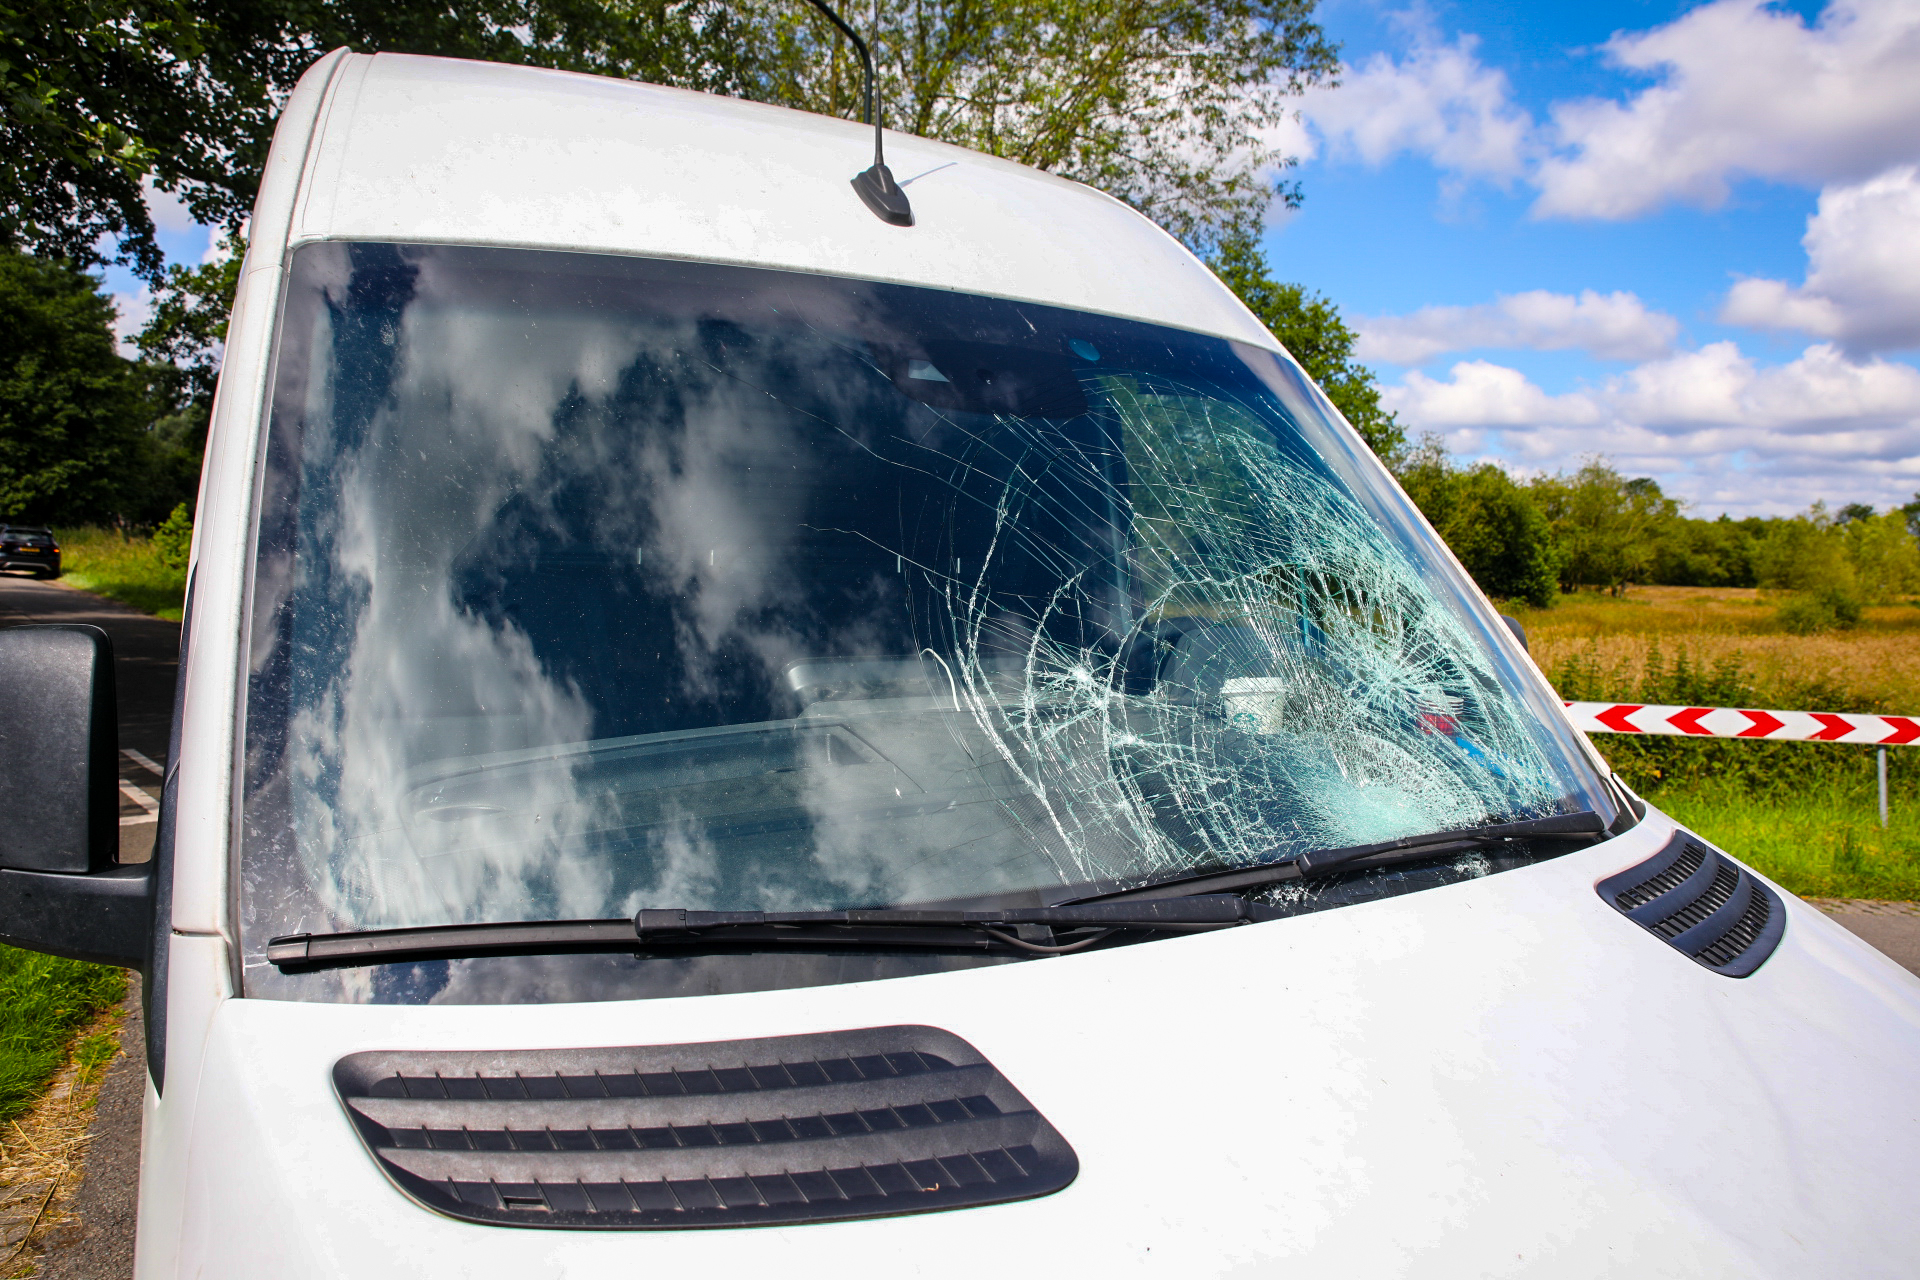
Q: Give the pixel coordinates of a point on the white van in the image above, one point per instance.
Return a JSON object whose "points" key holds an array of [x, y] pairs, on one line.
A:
{"points": [[723, 735]]}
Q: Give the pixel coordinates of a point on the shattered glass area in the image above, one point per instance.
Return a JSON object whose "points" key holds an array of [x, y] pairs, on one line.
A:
{"points": [[1289, 682], [591, 584]]}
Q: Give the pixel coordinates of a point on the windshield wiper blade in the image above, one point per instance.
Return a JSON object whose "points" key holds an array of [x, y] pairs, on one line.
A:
{"points": [[676, 929], [380, 946], [1181, 915], [1364, 857]]}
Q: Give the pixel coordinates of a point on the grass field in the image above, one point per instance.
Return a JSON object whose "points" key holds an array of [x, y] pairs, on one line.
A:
{"points": [[1803, 813], [1878, 661], [44, 1000], [127, 570]]}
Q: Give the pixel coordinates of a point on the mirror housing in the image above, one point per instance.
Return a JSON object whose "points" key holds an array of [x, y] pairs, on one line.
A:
{"points": [[60, 891], [1519, 632], [59, 741]]}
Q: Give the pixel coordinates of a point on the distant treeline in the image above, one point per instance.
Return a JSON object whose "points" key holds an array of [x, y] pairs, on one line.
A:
{"points": [[1599, 530]]}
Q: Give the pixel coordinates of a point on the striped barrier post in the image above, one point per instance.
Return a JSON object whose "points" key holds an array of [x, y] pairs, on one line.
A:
{"points": [[1741, 722]]}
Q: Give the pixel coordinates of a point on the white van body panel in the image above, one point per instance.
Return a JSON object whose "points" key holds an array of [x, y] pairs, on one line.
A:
{"points": [[1401, 1088], [430, 149], [1502, 1076]]}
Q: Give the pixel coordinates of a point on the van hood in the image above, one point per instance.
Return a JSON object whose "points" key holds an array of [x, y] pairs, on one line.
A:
{"points": [[1499, 1077]]}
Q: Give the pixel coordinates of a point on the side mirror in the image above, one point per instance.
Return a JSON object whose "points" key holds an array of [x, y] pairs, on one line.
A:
{"points": [[60, 891], [1519, 632]]}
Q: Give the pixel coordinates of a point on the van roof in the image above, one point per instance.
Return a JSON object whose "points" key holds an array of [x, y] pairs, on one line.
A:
{"points": [[444, 151]]}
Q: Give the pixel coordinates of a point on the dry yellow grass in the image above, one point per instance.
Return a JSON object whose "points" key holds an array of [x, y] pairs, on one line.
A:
{"points": [[43, 1153], [1879, 659], [1803, 813]]}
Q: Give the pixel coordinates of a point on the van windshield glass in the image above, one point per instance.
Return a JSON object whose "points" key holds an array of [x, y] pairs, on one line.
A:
{"points": [[589, 584]]}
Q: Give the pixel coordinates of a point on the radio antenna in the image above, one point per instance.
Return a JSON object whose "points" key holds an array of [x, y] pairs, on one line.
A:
{"points": [[875, 187]]}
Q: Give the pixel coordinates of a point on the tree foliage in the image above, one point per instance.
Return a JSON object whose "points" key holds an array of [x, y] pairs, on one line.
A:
{"points": [[1492, 523], [104, 98], [1600, 530], [186, 335], [1310, 327], [173, 540], [71, 408], [1163, 104], [1606, 526], [84, 433]]}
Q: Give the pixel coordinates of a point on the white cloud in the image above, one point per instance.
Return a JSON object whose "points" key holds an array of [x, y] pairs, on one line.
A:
{"points": [[1611, 326], [167, 210], [1482, 394], [1440, 102], [131, 311], [1710, 424], [1863, 270], [1745, 90]]}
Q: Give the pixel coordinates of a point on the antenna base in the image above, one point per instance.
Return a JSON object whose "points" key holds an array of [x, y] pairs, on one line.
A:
{"points": [[880, 193]]}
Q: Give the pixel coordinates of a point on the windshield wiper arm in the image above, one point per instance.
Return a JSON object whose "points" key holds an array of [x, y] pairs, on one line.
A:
{"points": [[1364, 857], [676, 929]]}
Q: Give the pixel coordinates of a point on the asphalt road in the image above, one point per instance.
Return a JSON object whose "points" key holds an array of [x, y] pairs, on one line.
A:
{"points": [[145, 650], [1892, 927]]}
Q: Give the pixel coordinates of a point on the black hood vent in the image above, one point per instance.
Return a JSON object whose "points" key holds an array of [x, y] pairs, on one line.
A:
{"points": [[1703, 903], [819, 1128]]}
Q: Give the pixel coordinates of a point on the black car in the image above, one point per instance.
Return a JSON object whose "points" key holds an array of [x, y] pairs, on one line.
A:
{"points": [[27, 546]]}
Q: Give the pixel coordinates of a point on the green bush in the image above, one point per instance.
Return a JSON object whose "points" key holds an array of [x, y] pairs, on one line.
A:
{"points": [[1804, 813], [129, 570], [1788, 772], [43, 1001], [1808, 613], [173, 540]]}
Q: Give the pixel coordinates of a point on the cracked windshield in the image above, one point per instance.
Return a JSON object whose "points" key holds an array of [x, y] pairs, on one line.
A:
{"points": [[586, 584]]}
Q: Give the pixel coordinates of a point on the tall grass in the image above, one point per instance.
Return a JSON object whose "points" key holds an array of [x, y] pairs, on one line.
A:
{"points": [[1805, 813], [1693, 611], [1822, 847], [44, 1000], [124, 569]]}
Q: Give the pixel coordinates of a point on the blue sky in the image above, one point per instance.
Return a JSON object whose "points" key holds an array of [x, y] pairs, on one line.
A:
{"points": [[1682, 236]]}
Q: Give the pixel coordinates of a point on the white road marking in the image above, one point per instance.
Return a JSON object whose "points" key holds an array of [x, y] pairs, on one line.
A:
{"points": [[143, 762], [140, 798]]}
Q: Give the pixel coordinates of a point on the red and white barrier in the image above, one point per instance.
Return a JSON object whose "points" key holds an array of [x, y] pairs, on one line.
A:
{"points": [[1732, 722]]}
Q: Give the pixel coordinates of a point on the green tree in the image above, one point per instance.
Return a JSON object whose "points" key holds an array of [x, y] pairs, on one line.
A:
{"points": [[1163, 103], [1491, 523], [1884, 554], [1707, 553], [72, 409], [103, 98], [1310, 327], [173, 540], [1805, 553], [1166, 104], [186, 335], [1608, 527]]}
